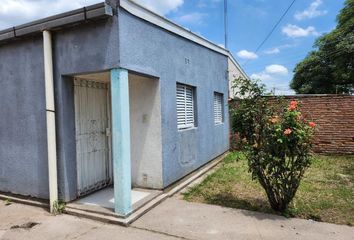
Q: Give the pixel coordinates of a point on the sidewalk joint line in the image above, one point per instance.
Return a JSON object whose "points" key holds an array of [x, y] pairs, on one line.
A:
{"points": [[163, 233]]}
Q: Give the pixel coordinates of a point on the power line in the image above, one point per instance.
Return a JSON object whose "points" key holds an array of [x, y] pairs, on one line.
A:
{"points": [[273, 29], [275, 26], [329, 54], [226, 24], [327, 41], [288, 60], [296, 57]]}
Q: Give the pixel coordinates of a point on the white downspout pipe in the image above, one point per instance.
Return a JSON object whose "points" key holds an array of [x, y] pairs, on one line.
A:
{"points": [[50, 111]]}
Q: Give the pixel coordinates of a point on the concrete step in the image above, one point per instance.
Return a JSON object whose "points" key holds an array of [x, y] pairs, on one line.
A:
{"points": [[97, 216], [147, 207], [114, 218], [92, 209]]}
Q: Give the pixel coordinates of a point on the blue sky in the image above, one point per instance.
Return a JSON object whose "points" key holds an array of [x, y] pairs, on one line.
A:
{"points": [[249, 23]]}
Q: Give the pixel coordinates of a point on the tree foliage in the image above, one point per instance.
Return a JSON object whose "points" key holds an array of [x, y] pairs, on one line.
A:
{"points": [[276, 139], [330, 67]]}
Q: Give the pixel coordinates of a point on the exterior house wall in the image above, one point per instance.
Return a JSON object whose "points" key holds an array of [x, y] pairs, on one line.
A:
{"points": [[82, 49], [85, 48], [23, 137], [145, 130], [98, 46], [234, 73], [151, 50]]}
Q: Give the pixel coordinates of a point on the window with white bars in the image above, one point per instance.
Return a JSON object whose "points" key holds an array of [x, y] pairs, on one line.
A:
{"points": [[185, 106], [218, 108]]}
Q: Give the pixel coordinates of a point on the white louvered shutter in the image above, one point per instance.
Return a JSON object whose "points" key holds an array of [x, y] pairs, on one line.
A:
{"points": [[185, 106], [218, 118]]}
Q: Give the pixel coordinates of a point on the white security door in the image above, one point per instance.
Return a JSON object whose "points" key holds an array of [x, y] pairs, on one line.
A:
{"points": [[92, 118]]}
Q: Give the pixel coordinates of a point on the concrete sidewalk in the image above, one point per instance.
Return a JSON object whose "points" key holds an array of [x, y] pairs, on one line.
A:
{"points": [[173, 219], [19, 221], [200, 221]]}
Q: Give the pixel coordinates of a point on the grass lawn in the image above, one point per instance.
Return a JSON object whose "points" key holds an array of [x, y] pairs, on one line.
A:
{"points": [[325, 194]]}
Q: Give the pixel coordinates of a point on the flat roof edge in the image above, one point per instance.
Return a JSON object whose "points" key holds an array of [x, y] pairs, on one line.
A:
{"points": [[160, 21]]}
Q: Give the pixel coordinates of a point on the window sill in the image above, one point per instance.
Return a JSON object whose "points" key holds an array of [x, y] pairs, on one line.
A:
{"points": [[187, 129]]}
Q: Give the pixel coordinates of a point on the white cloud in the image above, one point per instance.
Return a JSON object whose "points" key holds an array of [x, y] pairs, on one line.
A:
{"points": [[15, 12], [311, 12], [276, 69], [191, 18], [276, 78], [277, 49], [272, 51], [162, 7], [247, 55], [262, 76], [271, 72], [296, 31]]}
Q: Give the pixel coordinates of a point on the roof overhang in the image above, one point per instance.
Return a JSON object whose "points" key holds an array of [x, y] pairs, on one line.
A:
{"points": [[100, 10], [104, 10]]}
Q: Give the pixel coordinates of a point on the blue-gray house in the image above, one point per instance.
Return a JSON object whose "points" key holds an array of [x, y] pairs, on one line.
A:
{"points": [[108, 94]]}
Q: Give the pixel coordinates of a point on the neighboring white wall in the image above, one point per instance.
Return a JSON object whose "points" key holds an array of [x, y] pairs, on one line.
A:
{"points": [[145, 127], [234, 72]]}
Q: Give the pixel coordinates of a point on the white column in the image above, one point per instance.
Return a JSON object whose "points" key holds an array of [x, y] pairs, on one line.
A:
{"points": [[50, 112], [121, 141]]}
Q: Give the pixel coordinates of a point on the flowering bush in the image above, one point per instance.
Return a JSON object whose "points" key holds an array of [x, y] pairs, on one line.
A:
{"points": [[277, 140]]}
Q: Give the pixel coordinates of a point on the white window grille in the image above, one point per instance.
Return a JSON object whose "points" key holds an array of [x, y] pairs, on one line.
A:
{"points": [[185, 106], [218, 108]]}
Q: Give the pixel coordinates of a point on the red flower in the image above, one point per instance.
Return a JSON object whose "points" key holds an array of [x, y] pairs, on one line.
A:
{"points": [[293, 105], [312, 124], [287, 131]]}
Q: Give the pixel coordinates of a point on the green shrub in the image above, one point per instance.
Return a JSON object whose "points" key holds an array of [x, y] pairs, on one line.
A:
{"points": [[58, 207], [276, 138]]}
